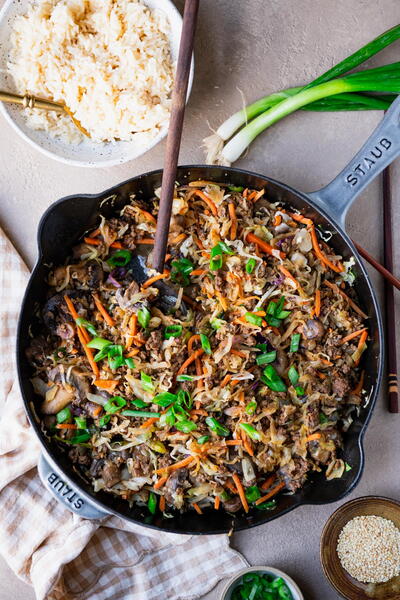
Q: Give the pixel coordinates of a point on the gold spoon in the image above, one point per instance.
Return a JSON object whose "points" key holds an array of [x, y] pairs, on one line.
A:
{"points": [[28, 101]]}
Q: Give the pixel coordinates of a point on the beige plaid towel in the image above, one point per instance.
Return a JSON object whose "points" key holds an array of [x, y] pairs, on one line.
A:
{"points": [[62, 555]]}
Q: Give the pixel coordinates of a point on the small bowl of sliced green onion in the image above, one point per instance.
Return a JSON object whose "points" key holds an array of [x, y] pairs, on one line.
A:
{"points": [[261, 583]]}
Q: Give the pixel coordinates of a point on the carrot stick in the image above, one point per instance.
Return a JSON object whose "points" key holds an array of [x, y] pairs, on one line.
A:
{"points": [[132, 352], [233, 442], [191, 341], [75, 316], [179, 238], [148, 216], [217, 502], [238, 352], [197, 272], [197, 508], [66, 426], [353, 305], [89, 354], [178, 465], [208, 201], [231, 487], [264, 245], [353, 335], [270, 494], [361, 343], [232, 214], [277, 220], [97, 411], [240, 490], [148, 422], [317, 308], [109, 320], [288, 274], [248, 448], [313, 436], [162, 503], [301, 219], [160, 482], [106, 384], [358, 389], [154, 279], [199, 371], [225, 380], [145, 241], [95, 233], [337, 268], [222, 300], [96, 242], [268, 482], [189, 361]]}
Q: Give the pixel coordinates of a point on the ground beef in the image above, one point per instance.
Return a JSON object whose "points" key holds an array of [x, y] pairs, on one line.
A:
{"points": [[110, 473], [79, 456], [312, 416], [340, 385], [294, 473], [154, 344], [141, 465]]}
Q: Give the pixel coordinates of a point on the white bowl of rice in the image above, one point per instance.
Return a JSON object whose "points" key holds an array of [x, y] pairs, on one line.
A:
{"points": [[112, 62]]}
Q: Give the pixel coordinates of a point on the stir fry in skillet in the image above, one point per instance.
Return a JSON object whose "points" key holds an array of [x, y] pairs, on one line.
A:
{"points": [[234, 395]]}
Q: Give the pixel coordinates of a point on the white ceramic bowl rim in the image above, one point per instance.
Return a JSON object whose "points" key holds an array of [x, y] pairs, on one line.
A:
{"points": [[292, 585], [86, 154]]}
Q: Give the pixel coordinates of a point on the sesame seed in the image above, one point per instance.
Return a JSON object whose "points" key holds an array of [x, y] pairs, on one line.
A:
{"points": [[369, 549]]}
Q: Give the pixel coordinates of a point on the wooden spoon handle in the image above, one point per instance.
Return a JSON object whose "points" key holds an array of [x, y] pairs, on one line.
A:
{"points": [[175, 132]]}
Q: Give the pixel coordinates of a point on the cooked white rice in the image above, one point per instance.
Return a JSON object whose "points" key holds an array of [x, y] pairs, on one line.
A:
{"points": [[108, 60]]}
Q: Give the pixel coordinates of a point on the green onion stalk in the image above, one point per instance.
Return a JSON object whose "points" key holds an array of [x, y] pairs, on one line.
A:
{"points": [[339, 101], [382, 79]]}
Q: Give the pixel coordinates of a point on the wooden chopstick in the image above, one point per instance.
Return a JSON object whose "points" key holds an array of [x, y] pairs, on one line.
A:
{"points": [[389, 277], [174, 133], [390, 313]]}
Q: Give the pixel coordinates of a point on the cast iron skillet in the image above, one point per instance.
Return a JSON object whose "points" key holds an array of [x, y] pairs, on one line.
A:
{"points": [[64, 223]]}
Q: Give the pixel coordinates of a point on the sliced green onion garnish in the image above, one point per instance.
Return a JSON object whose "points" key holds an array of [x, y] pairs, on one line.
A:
{"points": [[139, 403], [170, 417], [283, 314], [267, 506], [300, 391], [115, 356], [347, 467], [271, 308], [165, 399], [80, 422], [205, 343], [254, 319], [87, 325], [272, 380], [104, 420], [144, 316], [293, 375], [323, 418], [130, 363], [114, 404], [252, 493], [235, 188], [64, 415], [273, 321], [186, 426], [181, 270], [172, 331], [217, 427], [99, 343], [250, 265], [251, 407], [140, 413], [152, 503], [216, 262], [203, 439], [184, 378], [217, 323], [250, 431], [147, 383], [262, 347], [120, 258], [295, 342], [184, 399], [80, 438], [266, 357], [225, 248]]}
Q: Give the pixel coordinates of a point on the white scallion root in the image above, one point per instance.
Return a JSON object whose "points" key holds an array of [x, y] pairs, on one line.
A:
{"points": [[213, 145]]}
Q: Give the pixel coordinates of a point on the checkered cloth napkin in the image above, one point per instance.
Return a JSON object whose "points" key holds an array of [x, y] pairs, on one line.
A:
{"points": [[62, 555]]}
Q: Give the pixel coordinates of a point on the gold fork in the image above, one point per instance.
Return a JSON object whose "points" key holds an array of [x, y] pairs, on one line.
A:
{"points": [[29, 101]]}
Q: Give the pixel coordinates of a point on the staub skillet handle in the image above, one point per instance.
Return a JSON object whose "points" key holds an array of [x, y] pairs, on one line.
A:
{"points": [[381, 148], [66, 493]]}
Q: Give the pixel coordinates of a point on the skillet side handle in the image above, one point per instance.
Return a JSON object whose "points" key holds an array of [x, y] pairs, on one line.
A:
{"points": [[381, 148], [65, 493]]}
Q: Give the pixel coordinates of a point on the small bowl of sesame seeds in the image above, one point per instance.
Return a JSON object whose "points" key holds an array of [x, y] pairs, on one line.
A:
{"points": [[360, 549]]}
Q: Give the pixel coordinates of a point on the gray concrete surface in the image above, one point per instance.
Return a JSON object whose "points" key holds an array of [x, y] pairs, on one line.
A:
{"points": [[255, 46]]}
